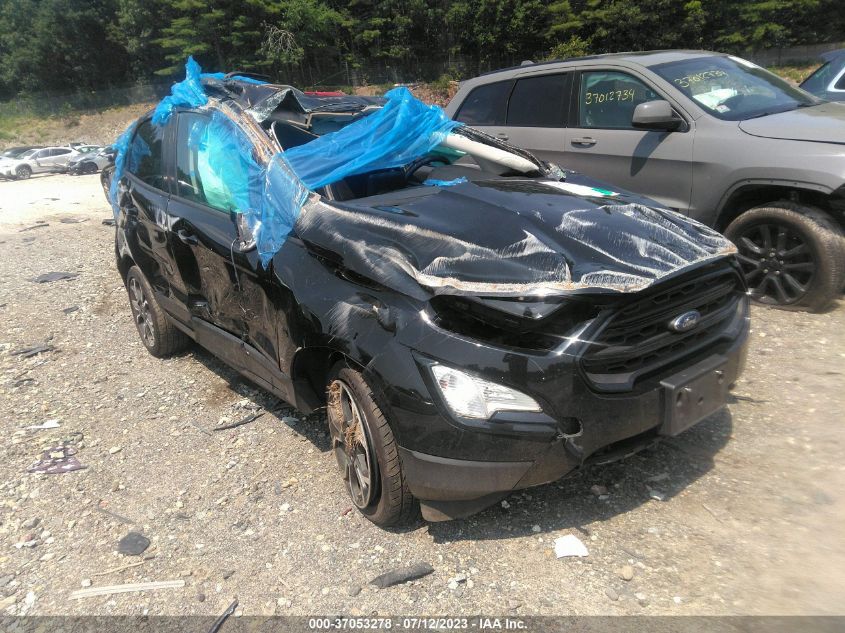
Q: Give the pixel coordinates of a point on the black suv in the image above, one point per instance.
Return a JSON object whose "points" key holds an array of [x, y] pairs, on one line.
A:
{"points": [[473, 326]]}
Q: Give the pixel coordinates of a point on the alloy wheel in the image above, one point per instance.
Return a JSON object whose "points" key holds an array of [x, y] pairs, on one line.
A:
{"points": [[142, 313], [777, 262], [352, 445]]}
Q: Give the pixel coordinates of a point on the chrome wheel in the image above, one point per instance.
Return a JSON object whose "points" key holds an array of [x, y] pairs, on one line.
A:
{"points": [[142, 313], [777, 261], [352, 445]]}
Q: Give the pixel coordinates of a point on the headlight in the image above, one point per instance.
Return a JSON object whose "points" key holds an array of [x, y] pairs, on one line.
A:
{"points": [[472, 397]]}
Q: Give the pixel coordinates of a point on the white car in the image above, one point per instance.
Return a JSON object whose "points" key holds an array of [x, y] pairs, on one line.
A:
{"points": [[90, 160], [38, 161]]}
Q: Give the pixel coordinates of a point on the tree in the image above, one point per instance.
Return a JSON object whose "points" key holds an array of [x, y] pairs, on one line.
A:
{"points": [[59, 45]]}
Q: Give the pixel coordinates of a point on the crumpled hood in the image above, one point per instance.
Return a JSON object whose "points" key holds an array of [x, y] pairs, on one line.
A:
{"points": [[508, 237], [824, 123]]}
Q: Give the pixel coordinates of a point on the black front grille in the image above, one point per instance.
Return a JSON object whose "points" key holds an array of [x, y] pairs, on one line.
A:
{"points": [[635, 342]]}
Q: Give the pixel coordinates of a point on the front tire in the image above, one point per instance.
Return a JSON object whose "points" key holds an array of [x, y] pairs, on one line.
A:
{"points": [[366, 451], [23, 172], [792, 255], [158, 334]]}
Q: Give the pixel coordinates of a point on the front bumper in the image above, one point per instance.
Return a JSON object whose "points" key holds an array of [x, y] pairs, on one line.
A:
{"points": [[457, 467]]}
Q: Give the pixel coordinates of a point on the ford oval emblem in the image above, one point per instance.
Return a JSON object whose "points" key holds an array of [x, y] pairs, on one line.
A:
{"points": [[685, 322]]}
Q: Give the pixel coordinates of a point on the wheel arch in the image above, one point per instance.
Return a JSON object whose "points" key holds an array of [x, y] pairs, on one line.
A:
{"points": [[124, 263], [310, 370], [749, 194]]}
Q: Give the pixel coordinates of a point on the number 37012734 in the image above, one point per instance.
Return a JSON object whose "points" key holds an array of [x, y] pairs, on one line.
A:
{"points": [[613, 95]]}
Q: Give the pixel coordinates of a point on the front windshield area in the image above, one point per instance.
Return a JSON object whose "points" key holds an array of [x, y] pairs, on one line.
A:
{"points": [[733, 89], [28, 154], [14, 153]]}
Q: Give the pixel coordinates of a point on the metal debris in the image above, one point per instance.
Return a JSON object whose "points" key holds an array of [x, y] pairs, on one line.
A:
{"points": [[241, 422], [40, 225], [224, 616], [47, 278], [402, 574], [34, 350]]}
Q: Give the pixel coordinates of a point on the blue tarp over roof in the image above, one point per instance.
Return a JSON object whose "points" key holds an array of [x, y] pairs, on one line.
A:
{"points": [[271, 196]]}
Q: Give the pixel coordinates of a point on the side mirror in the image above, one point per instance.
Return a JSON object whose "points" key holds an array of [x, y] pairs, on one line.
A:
{"points": [[656, 115]]}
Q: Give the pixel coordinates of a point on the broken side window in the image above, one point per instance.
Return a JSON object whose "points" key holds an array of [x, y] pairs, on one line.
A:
{"points": [[144, 156]]}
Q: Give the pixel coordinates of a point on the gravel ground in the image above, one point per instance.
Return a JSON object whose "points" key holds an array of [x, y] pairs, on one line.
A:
{"points": [[750, 520]]}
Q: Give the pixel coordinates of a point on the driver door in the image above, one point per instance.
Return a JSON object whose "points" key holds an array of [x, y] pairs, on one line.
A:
{"points": [[229, 295], [601, 141]]}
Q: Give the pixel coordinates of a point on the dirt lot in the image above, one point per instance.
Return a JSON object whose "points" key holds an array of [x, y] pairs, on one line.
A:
{"points": [[751, 521]]}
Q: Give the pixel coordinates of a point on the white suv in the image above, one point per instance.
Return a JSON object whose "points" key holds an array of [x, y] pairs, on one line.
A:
{"points": [[36, 161]]}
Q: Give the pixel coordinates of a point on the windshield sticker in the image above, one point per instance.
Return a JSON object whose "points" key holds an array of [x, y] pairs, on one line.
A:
{"points": [[688, 80], [613, 95], [581, 190]]}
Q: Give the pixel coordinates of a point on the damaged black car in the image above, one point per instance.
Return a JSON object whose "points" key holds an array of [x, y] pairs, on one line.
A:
{"points": [[474, 320]]}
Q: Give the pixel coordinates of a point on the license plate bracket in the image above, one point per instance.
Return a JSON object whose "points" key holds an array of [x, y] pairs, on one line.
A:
{"points": [[693, 394]]}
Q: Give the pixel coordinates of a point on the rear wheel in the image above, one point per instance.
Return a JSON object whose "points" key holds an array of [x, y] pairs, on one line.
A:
{"points": [[23, 172], [89, 168], [792, 255], [159, 336], [366, 451]]}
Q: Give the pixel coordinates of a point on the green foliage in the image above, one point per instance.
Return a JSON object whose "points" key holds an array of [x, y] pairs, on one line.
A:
{"points": [[66, 46], [575, 46]]}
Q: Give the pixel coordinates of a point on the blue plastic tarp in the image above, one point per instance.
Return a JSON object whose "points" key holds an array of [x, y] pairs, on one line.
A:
{"points": [[271, 196], [189, 92], [403, 129], [121, 149]]}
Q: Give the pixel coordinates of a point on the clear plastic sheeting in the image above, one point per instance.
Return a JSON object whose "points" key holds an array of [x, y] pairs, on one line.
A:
{"points": [[404, 129], [283, 195]]}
